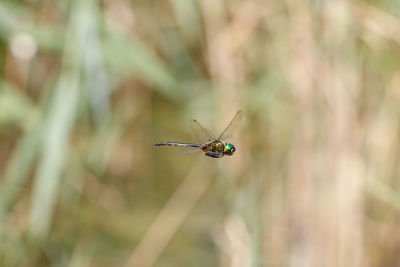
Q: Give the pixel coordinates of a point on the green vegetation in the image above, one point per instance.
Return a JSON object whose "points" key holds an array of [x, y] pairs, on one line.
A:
{"points": [[87, 88]]}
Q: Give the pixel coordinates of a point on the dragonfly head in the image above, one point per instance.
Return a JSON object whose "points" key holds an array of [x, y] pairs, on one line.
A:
{"points": [[229, 149]]}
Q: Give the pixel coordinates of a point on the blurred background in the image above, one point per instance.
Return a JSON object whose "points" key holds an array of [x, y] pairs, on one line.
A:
{"points": [[87, 88]]}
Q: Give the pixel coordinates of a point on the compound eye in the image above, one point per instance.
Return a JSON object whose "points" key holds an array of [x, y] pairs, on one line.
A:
{"points": [[229, 149]]}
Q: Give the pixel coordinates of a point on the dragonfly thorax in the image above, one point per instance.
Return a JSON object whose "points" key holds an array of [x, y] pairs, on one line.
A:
{"points": [[214, 146], [218, 148]]}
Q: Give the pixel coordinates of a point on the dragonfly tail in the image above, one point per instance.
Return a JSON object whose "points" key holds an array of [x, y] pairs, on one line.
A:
{"points": [[170, 143]]}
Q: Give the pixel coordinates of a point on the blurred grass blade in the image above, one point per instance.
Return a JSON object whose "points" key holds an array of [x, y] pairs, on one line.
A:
{"points": [[79, 258], [383, 192], [188, 18], [6, 22], [93, 62], [20, 163], [53, 150], [61, 115], [15, 106], [134, 56], [46, 36]]}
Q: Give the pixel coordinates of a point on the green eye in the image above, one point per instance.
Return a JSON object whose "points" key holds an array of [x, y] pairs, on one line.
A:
{"points": [[229, 149]]}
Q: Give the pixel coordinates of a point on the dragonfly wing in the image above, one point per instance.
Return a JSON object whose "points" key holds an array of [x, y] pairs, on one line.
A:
{"points": [[235, 122], [189, 150], [202, 134]]}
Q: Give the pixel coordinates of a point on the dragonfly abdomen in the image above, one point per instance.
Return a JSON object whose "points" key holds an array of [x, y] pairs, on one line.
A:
{"points": [[172, 143]]}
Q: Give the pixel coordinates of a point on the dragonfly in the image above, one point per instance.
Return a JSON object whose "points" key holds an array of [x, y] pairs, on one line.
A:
{"points": [[212, 146]]}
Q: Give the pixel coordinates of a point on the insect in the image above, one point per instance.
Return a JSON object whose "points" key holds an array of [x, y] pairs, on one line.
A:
{"points": [[213, 147]]}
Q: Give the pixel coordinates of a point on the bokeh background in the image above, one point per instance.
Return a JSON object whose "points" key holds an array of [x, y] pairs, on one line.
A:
{"points": [[87, 87]]}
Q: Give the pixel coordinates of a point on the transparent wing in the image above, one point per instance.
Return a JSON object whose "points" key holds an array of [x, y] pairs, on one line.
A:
{"points": [[232, 126], [202, 134], [189, 150]]}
